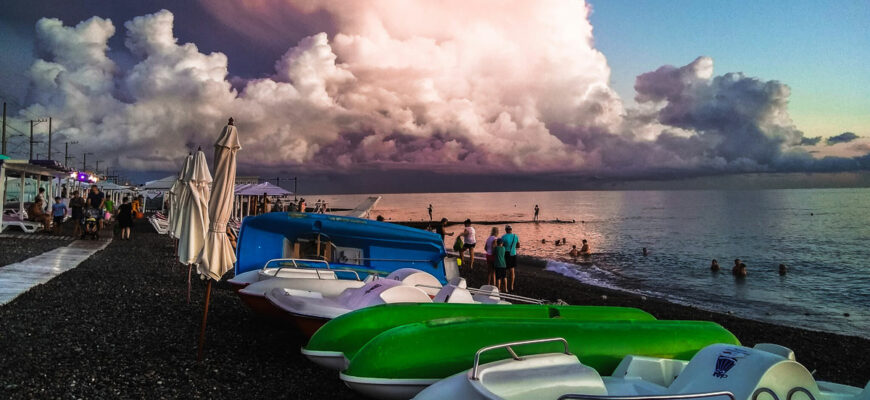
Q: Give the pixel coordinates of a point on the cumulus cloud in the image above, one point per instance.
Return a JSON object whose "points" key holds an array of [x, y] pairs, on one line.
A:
{"points": [[811, 141], [844, 137], [412, 85]]}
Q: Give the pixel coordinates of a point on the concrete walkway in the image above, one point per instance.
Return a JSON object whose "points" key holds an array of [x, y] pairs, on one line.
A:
{"points": [[18, 278]]}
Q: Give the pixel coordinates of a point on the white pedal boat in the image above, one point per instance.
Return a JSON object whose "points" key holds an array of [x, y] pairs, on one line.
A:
{"points": [[287, 268], [310, 309], [719, 371]]}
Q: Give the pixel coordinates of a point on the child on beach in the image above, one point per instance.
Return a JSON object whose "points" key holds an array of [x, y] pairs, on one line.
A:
{"points": [[490, 256], [58, 211], [500, 264]]}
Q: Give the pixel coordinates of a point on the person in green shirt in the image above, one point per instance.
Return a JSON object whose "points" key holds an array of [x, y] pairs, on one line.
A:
{"points": [[511, 243], [500, 265], [110, 205]]}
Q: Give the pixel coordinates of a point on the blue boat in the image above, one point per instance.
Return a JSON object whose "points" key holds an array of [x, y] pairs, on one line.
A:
{"points": [[345, 243]]}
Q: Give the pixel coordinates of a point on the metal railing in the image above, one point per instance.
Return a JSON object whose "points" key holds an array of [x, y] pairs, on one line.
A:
{"points": [[474, 369], [315, 269]]}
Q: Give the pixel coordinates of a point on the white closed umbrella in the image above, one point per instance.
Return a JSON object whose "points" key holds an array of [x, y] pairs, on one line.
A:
{"points": [[194, 213], [175, 196], [180, 195], [217, 255]]}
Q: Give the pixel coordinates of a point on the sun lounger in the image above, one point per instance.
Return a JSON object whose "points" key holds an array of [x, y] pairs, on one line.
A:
{"points": [[24, 225], [161, 226]]}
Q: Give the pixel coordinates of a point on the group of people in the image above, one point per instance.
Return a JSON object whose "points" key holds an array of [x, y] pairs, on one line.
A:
{"points": [[96, 205], [501, 253], [739, 268], [266, 205]]}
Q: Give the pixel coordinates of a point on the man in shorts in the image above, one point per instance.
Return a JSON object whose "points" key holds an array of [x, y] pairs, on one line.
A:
{"points": [[97, 200], [500, 265], [58, 212], [511, 243]]}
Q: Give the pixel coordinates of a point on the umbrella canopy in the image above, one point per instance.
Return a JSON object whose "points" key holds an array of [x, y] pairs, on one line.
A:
{"points": [[217, 255], [175, 193], [194, 212], [260, 188]]}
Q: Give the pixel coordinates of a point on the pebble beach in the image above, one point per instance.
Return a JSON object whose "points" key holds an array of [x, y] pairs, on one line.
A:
{"points": [[119, 326]]}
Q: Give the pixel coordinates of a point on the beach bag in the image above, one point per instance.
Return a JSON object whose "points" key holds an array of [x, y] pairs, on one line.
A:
{"points": [[457, 245]]}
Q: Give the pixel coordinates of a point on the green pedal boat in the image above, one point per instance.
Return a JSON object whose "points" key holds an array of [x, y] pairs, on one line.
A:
{"points": [[400, 362], [339, 339]]}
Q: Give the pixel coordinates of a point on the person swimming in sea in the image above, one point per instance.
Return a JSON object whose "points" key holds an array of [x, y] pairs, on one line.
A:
{"points": [[736, 266], [740, 272], [714, 266], [783, 269], [574, 252], [584, 249]]}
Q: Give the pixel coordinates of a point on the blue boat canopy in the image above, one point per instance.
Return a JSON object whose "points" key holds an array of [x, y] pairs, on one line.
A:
{"points": [[344, 242]]}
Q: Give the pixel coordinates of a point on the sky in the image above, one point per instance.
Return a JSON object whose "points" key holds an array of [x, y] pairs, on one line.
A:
{"points": [[425, 95]]}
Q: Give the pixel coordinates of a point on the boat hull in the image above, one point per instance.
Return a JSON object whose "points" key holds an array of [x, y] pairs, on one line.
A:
{"points": [[399, 354], [342, 337]]}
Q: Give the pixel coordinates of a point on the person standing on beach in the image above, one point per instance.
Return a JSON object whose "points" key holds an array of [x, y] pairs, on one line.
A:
{"points": [[511, 243], [125, 218], [76, 206], [439, 229], [96, 199], [537, 211], [490, 257], [469, 239], [58, 212], [267, 204], [500, 265], [430, 213]]}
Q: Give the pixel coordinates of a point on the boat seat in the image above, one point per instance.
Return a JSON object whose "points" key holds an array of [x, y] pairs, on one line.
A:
{"points": [[404, 294], [491, 298], [453, 294], [542, 376], [661, 371]]}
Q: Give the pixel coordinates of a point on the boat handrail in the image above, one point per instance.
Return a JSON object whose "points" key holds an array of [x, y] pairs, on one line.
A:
{"points": [[507, 296], [318, 270], [573, 396], [513, 354], [500, 295], [799, 389], [293, 260], [768, 391]]}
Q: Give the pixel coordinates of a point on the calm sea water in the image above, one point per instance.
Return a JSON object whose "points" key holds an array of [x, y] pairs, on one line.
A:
{"points": [[822, 235]]}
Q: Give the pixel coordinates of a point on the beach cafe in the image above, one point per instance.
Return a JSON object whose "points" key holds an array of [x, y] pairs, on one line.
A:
{"points": [[20, 181]]}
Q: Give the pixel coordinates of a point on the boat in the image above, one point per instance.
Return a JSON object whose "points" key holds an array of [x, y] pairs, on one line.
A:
{"points": [[399, 363], [324, 282], [344, 243], [718, 371], [310, 309], [340, 338], [289, 268]]}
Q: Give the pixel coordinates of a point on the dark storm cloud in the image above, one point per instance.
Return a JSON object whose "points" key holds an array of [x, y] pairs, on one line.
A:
{"points": [[810, 141], [844, 137]]}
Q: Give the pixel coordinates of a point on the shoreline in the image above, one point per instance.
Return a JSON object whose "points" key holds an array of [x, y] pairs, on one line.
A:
{"points": [[812, 348], [119, 325]]}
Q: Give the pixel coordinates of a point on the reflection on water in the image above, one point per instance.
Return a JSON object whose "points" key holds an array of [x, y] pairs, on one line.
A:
{"points": [[820, 234]]}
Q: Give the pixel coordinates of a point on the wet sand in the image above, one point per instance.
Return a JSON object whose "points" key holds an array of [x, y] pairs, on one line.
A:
{"points": [[119, 326]]}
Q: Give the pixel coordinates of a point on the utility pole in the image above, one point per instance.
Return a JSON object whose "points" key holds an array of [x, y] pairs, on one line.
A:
{"points": [[32, 124], [49, 138], [66, 156], [97, 169], [4, 129], [85, 161]]}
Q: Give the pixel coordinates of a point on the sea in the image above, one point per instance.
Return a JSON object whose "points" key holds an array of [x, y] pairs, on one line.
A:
{"points": [[821, 235]]}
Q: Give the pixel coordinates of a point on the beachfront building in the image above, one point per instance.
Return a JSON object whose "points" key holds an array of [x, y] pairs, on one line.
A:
{"points": [[20, 181]]}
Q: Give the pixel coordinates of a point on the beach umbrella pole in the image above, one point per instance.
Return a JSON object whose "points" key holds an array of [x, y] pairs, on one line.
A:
{"points": [[204, 318]]}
